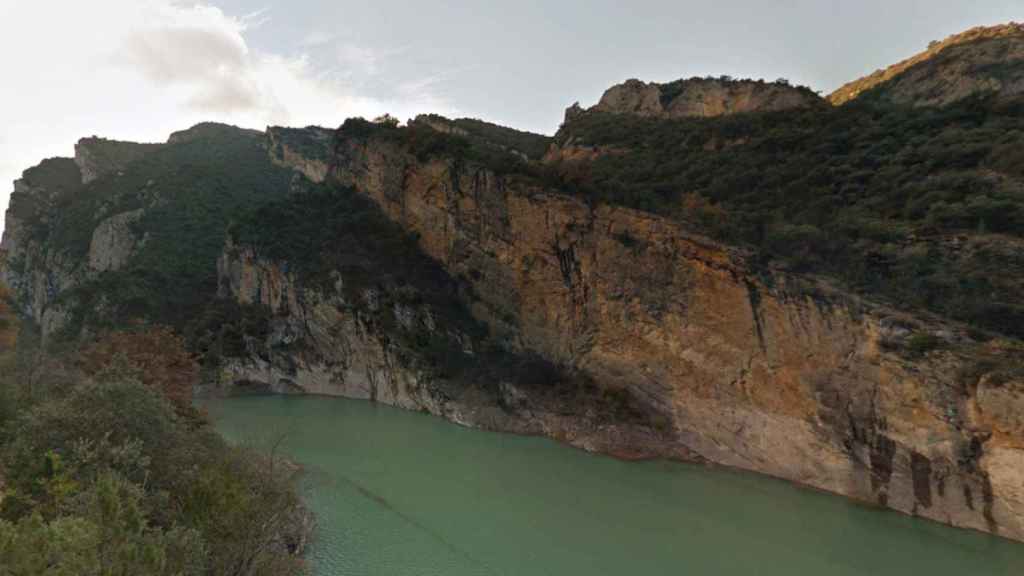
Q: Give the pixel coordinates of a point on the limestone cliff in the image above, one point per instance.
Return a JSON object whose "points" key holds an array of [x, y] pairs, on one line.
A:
{"points": [[702, 97], [33, 272], [304, 150], [742, 365], [983, 60], [98, 156]]}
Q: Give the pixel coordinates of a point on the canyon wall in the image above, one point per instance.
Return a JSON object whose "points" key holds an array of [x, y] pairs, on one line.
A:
{"points": [[738, 365]]}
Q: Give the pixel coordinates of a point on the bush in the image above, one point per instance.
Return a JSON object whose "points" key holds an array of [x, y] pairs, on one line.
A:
{"points": [[112, 479]]}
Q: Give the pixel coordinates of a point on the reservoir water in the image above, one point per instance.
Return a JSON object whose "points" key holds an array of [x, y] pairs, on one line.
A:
{"points": [[404, 494]]}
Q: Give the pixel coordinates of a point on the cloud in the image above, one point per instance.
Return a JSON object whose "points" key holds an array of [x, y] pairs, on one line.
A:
{"points": [[315, 38], [140, 69], [359, 60]]}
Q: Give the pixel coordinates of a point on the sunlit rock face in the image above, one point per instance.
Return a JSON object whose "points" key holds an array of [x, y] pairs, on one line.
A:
{"points": [[703, 97], [745, 366]]}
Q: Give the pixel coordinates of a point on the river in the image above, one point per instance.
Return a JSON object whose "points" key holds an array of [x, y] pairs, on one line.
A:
{"points": [[404, 494]]}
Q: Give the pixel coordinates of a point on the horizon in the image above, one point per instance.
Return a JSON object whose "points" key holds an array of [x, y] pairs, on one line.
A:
{"points": [[142, 70]]}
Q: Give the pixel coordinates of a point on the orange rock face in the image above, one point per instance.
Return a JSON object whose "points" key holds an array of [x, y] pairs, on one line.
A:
{"points": [[750, 367], [703, 97]]}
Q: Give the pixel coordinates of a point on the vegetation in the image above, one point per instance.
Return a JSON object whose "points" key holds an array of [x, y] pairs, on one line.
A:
{"points": [[331, 233], [190, 190], [875, 82], [531, 145], [895, 202], [426, 142], [311, 142], [104, 472]]}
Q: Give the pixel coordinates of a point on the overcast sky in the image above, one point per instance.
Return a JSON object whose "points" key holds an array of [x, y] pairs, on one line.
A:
{"points": [[140, 69]]}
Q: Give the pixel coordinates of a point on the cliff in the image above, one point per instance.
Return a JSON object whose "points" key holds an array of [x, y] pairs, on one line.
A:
{"points": [[98, 156], [983, 60], [121, 230], [717, 271], [703, 97], [726, 361]]}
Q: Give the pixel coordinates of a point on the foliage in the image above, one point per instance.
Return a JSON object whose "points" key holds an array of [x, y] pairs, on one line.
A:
{"points": [[105, 476], [105, 533], [189, 190], [871, 194], [997, 38], [426, 142], [312, 142], [8, 321], [331, 235], [156, 357], [533, 146]]}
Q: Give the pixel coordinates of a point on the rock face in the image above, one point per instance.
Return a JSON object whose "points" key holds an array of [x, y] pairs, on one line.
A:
{"points": [[701, 97], [98, 156], [113, 242], [35, 274], [748, 367], [304, 150], [342, 357], [318, 341], [984, 60], [727, 360]]}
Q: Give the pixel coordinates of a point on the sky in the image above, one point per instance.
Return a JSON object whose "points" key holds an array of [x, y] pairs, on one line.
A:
{"points": [[141, 69]]}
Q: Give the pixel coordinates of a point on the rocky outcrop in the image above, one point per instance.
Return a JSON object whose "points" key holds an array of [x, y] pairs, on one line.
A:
{"points": [[341, 354], [305, 150], [701, 97], [98, 156], [983, 60], [746, 367], [33, 272], [322, 341], [114, 242]]}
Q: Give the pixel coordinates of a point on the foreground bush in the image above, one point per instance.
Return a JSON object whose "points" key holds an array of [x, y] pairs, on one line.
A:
{"points": [[108, 475]]}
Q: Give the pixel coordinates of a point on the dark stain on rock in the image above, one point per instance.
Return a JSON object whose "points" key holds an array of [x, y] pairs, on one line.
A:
{"points": [[883, 450], [754, 294], [968, 496], [921, 473], [989, 499], [567, 264]]}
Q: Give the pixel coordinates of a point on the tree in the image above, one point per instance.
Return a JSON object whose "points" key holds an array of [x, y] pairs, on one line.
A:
{"points": [[104, 533], [387, 120], [155, 356]]}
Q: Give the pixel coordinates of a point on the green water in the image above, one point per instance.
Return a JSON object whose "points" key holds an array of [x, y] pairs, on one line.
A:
{"points": [[402, 494]]}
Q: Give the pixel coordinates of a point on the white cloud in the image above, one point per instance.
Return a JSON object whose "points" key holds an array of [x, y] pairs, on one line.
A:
{"points": [[317, 38], [140, 69]]}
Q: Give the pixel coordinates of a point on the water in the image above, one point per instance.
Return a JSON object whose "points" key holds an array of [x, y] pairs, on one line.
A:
{"points": [[399, 494]]}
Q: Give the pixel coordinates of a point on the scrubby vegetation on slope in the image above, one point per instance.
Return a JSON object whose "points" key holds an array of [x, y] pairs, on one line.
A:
{"points": [[189, 191], [105, 468], [530, 145], [873, 84], [920, 205]]}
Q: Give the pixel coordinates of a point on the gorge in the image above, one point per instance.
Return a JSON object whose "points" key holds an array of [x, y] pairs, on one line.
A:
{"points": [[716, 271]]}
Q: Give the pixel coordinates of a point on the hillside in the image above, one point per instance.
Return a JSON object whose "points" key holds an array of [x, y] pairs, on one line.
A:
{"points": [[139, 241], [983, 60], [923, 207], [712, 270]]}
